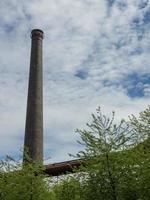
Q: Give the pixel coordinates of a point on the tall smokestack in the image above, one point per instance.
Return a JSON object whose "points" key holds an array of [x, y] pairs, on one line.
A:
{"points": [[33, 143]]}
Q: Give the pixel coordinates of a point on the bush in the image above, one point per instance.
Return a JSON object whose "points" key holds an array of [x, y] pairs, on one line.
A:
{"points": [[17, 183]]}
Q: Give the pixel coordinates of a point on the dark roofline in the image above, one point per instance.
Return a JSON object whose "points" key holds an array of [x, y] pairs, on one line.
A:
{"points": [[61, 168]]}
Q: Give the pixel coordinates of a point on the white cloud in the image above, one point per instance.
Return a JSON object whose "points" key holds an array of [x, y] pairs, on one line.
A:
{"points": [[82, 34]]}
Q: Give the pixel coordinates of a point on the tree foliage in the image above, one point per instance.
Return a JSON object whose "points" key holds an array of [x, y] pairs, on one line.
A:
{"points": [[117, 158], [116, 165], [21, 183], [106, 145]]}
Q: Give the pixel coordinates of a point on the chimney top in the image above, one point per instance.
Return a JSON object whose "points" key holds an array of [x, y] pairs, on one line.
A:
{"points": [[37, 33]]}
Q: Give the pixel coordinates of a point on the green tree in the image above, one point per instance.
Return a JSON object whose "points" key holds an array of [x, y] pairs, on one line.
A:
{"points": [[141, 153], [17, 183], [113, 158], [116, 165], [68, 189]]}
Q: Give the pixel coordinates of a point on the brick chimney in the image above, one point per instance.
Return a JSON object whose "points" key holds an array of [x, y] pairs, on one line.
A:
{"points": [[33, 142]]}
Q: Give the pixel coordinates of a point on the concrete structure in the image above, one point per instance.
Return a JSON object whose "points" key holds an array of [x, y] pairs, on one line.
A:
{"points": [[33, 142]]}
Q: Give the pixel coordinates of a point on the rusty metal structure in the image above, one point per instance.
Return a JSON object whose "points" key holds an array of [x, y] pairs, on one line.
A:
{"points": [[33, 141], [62, 168]]}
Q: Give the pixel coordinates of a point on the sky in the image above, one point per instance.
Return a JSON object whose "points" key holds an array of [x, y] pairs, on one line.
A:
{"points": [[96, 53]]}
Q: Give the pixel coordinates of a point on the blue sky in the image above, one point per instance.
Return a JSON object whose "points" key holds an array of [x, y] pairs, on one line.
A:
{"points": [[96, 53]]}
